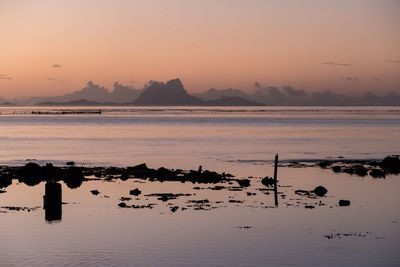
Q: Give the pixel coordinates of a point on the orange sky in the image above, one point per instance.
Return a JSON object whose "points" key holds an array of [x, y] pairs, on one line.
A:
{"points": [[206, 43]]}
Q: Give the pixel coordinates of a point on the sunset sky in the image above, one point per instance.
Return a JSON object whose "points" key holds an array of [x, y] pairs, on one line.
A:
{"points": [[54, 47]]}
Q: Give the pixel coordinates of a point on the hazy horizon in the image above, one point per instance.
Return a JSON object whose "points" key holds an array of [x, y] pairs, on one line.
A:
{"points": [[53, 48]]}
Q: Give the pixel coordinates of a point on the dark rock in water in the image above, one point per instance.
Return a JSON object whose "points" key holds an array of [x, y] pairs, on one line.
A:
{"points": [[391, 164], [2, 191], [243, 182], [174, 208], [217, 187], [344, 202], [50, 172], [5, 181], [268, 181], [125, 198], [70, 163], [140, 167], [167, 196], [95, 192], [122, 205], [320, 191], [135, 192], [324, 164], [202, 201], [336, 168], [235, 201], [73, 177], [302, 192], [140, 170], [376, 173], [30, 174], [30, 170], [309, 207], [360, 170]]}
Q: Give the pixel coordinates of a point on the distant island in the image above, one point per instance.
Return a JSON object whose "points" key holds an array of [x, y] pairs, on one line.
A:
{"points": [[173, 93]]}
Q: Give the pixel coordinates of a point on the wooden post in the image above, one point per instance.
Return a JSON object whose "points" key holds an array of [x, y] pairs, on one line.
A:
{"points": [[276, 180]]}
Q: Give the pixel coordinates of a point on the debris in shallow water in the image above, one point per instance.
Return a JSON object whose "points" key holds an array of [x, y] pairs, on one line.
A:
{"points": [[174, 208], [344, 203], [320, 191], [268, 181], [95, 192], [235, 201], [167, 196], [135, 192], [243, 182], [377, 173], [351, 234]]}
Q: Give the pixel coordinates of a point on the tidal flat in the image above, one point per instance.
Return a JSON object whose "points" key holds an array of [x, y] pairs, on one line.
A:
{"points": [[140, 215]]}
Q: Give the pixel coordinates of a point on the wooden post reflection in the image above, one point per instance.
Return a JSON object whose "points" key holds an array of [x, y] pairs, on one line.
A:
{"points": [[276, 180], [52, 201]]}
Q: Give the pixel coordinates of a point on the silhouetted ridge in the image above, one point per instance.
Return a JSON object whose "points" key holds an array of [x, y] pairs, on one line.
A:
{"points": [[173, 93], [164, 94]]}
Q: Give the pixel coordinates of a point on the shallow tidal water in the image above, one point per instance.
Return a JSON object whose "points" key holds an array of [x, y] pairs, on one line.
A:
{"points": [[95, 231]]}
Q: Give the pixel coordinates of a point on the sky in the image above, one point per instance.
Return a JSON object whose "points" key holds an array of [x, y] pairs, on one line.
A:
{"points": [[55, 47]]}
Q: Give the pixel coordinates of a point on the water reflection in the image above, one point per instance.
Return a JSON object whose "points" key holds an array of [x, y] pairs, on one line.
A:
{"points": [[52, 201]]}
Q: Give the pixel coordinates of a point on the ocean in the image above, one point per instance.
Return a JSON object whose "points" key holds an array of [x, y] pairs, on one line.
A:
{"points": [[243, 141]]}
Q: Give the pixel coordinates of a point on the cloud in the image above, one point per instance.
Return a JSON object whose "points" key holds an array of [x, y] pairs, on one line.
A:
{"points": [[56, 66], [391, 61], [353, 79], [5, 77], [336, 64]]}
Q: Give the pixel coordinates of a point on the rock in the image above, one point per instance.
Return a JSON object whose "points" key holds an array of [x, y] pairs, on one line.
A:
{"points": [[324, 164], [2, 191], [30, 174], [376, 173], [243, 182], [135, 192], [309, 207], [70, 163], [125, 198], [73, 177], [336, 168], [268, 181], [140, 167], [360, 170], [235, 201], [5, 181], [302, 192], [174, 208], [320, 191], [344, 203], [122, 205], [391, 164], [95, 192]]}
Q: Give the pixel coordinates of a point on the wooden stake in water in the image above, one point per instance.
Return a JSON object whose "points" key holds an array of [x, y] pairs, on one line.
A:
{"points": [[276, 180]]}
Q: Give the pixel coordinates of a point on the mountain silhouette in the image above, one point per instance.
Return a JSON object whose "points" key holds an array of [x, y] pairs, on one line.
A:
{"points": [[214, 94], [173, 93]]}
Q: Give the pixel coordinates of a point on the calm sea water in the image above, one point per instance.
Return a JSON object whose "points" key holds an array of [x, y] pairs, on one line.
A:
{"points": [[242, 141], [186, 137]]}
